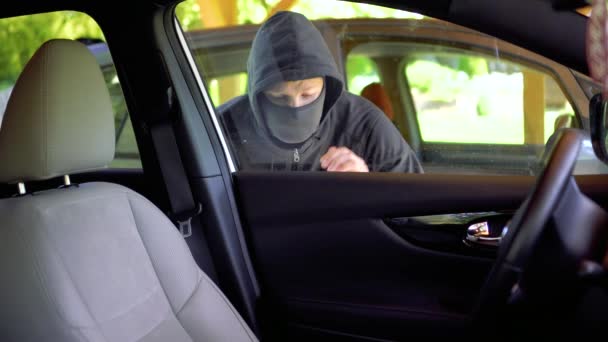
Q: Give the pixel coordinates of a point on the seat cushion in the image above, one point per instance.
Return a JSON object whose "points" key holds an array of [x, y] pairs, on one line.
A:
{"points": [[99, 262]]}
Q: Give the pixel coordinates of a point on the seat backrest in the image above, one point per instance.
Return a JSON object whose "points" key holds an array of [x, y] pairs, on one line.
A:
{"points": [[97, 261], [376, 93]]}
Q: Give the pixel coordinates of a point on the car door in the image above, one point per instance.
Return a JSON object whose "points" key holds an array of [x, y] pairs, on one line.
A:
{"points": [[360, 256]]}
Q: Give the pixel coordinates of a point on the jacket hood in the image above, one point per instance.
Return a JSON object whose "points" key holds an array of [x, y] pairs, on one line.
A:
{"points": [[288, 47]]}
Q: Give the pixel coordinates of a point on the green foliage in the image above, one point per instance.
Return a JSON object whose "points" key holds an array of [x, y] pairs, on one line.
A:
{"points": [[473, 66], [484, 105], [21, 36], [360, 65], [439, 82], [318, 9], [360, 71], [482, 109], [189, 16], [255, 11]]}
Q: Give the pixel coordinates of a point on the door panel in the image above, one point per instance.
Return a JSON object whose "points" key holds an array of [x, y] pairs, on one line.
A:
{"points": [[449, 233], [338, 275], [481, 158], [329, 265]]}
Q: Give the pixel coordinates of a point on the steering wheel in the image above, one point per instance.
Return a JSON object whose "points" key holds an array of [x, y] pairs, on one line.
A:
{"points": [[539, 260]]}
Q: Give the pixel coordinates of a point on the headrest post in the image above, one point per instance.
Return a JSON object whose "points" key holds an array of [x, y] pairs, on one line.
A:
{"points": [[21, 187], [66, 180]]}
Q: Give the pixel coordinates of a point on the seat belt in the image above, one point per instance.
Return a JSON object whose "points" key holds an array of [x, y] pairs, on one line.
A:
{"points": [[183, 207]]}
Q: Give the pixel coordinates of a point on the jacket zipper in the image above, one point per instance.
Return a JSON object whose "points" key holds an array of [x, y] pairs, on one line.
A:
{"points": [[296, 160]]}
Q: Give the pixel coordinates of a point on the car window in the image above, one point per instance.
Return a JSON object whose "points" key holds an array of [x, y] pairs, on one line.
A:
{"points": [[461, 101], [23, 35], [463, 97], [361, 71], [226, 87]]}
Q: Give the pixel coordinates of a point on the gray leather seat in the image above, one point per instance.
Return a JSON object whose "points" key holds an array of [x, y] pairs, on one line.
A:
{"points": [[94, 262]]}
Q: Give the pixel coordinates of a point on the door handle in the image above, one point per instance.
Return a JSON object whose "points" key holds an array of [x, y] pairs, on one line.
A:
{"points": [[481, 234]]}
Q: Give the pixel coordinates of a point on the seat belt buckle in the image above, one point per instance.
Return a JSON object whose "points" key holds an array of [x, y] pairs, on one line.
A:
{"points": [[184, 220], [185, 227]]}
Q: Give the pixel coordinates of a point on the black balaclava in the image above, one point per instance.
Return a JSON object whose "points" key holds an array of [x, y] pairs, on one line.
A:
{"points": [[292, 125], [288, 47]]}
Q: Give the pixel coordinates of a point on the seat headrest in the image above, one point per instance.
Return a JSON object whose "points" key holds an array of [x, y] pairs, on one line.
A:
{"points": [[59, 117], [376, 93]]}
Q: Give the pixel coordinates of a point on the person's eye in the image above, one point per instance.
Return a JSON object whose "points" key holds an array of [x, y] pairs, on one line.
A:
{"points": [[277, 99]]}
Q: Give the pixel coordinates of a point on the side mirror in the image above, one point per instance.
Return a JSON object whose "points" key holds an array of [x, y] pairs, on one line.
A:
{"points": [[598, 122]]}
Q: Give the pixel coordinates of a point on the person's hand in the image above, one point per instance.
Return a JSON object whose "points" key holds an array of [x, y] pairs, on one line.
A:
{"points": [[341, 159]]}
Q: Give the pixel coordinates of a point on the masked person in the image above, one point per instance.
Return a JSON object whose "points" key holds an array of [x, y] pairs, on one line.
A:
{"points": [[297, 114]]}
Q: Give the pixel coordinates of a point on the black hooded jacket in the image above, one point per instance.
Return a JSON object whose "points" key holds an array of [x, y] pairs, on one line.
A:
{"points": [[288, 47]]}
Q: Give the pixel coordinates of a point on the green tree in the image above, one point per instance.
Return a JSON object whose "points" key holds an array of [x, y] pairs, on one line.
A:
{"points": [[255, 11], [21, 36], [189, 16]]}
